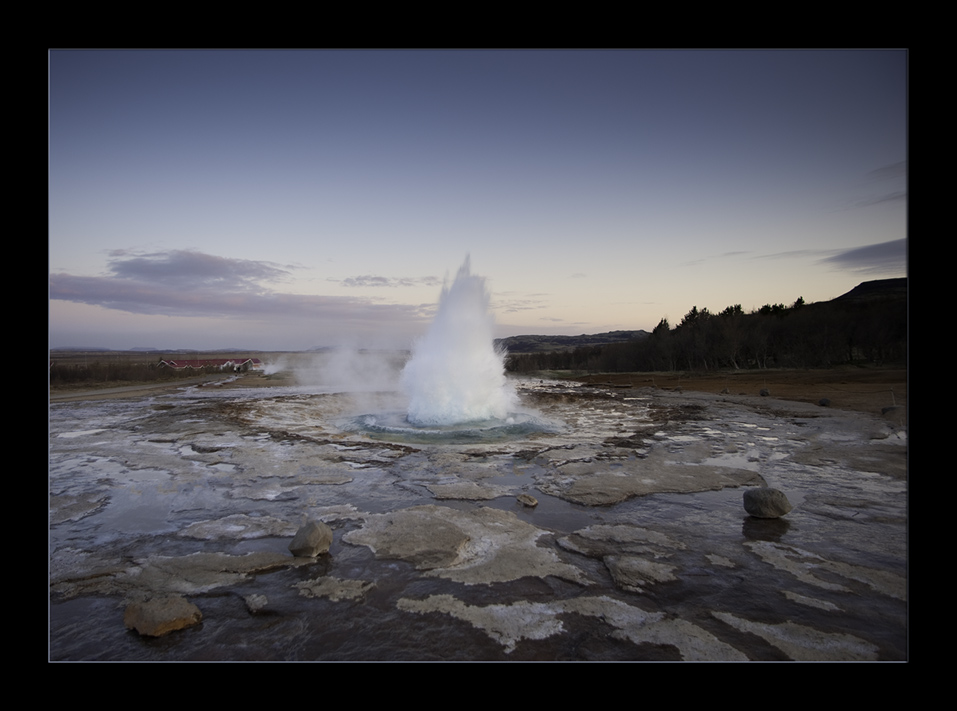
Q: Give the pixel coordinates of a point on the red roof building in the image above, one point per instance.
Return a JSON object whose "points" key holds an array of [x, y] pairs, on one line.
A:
{"points": [[235, 364]]}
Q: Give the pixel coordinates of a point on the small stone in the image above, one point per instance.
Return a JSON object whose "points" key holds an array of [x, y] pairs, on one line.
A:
{"points": [[766, 503], [312, 539], [154, 618], [255, 603], [764, 392], [824, 402], [527, 500]]}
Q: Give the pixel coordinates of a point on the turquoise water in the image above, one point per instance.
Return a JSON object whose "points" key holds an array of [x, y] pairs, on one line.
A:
{"points": [[396, 427]]}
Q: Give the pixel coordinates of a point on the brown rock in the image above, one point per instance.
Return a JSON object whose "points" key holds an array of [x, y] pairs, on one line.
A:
{"points": [[312, 539], [159, 616], [766, 503]]}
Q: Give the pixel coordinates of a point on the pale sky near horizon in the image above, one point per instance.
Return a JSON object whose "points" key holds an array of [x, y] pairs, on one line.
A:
{"points": [[284, 200]]}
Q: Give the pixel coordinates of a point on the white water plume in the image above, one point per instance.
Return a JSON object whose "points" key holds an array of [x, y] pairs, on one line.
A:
{"points": [[456, 374]]}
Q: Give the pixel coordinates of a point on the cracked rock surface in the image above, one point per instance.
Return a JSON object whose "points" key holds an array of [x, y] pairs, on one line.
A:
{"points": [[639, 547]]}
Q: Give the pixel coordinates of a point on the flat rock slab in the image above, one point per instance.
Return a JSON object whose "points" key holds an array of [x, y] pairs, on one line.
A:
{"points": [[171, 575], [597, 484], [481, 546], [467, 491], [335, 589], [509, 624]]}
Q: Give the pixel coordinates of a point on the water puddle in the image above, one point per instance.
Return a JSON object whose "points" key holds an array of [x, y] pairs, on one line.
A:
{"points": [[395, 427]]}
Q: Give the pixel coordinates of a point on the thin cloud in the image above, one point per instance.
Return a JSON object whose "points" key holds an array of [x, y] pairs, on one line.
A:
{"points": [[182, 283], [878, 192], [514, 305], [882, 258], [711, 258], [391, 282], [889, 172], [897, 196], [792, 254]]}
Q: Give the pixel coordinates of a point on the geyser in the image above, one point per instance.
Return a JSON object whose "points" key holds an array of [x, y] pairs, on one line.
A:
{"points": [[456, 375]]}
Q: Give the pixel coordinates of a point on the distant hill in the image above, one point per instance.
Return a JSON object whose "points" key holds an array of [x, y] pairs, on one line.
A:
{"points": [[544, 344], [877, 289], [79, 349]]}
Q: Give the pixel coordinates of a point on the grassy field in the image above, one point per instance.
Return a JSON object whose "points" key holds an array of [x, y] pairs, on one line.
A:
{"points": [[863, 389], [73, 369]]}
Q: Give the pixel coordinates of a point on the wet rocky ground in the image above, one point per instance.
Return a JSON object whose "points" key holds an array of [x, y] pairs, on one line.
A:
{"points": [[639, 547]]}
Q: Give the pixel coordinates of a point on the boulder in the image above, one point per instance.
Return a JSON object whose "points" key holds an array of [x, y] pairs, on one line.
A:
{"points": [[766, 503], [256, 603], [312, 539], [159, 616]]}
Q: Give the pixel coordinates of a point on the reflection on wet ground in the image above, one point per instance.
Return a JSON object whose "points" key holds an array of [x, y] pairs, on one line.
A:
{"points": [[638, 548]]}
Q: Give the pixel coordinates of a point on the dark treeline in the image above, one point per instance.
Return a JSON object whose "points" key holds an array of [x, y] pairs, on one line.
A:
{"points": [[774, 336]]}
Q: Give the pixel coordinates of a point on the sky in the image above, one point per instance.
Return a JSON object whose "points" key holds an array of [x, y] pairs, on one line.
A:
{"points": [[288, 200]]}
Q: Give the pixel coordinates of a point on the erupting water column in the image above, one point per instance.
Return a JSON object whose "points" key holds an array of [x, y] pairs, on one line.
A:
{"points": [[456, 374]]}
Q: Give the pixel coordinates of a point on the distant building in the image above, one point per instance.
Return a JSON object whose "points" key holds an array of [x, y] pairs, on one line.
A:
{"points": [[237, 365]]}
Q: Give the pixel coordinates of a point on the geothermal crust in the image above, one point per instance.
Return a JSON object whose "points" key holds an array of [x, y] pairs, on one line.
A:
{"points": [[639, 548]]}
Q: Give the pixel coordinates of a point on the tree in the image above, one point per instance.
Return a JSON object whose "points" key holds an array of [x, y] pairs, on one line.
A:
{"points": [[730, 337], [661, 347], [693, 336]]}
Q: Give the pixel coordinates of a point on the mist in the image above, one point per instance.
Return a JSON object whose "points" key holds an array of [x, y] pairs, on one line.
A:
{"points": [[368, 378]]}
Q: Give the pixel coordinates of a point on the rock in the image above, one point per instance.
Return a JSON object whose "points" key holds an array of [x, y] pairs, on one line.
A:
{"points": [[334, 588], [631, 572], [766, 503], [159, 616], [480, 546], [584, 483], [312, 539], [467, 490], [255, 603], [527, 500], [420, 535], [764, 392], [824, 402]]}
